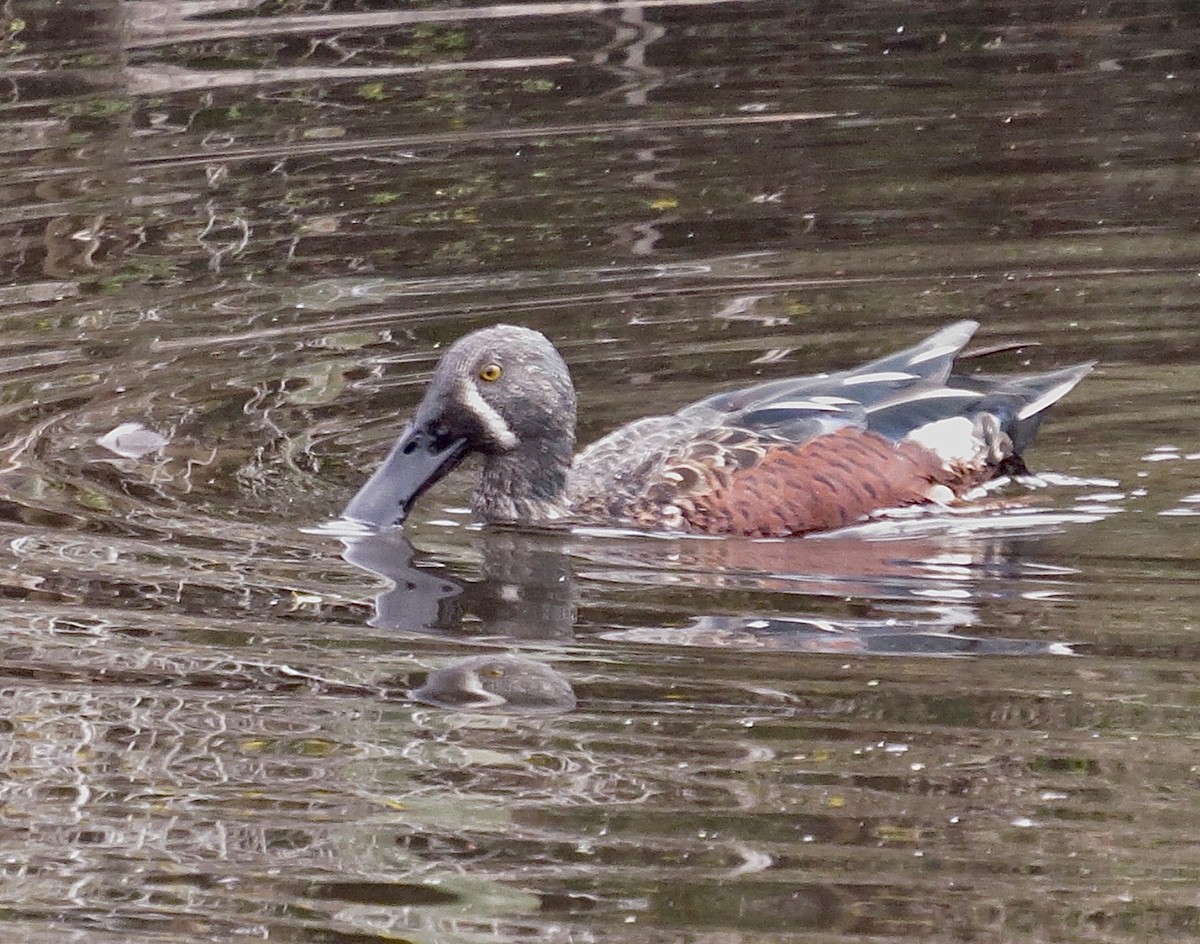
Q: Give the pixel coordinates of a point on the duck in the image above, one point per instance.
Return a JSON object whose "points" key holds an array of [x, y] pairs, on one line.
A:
{"points": [[781, 458]]}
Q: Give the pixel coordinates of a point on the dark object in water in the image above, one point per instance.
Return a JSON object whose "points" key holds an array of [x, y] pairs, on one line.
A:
{"points": [[496, 682]]}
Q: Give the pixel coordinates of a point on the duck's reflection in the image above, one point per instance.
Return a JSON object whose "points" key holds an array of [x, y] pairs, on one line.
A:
{"points": [[917, 637], [527, 588], [525, 591], [419, 599], [917, 596]]}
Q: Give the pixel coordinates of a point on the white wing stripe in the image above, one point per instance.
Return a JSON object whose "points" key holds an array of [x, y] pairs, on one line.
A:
{"points": [[882, 376], [803, 405], [933, 353], [944, 394], [1055, 393]]}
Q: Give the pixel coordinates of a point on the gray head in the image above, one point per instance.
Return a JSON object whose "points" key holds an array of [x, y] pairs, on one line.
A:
{"points": [[503, 392]]}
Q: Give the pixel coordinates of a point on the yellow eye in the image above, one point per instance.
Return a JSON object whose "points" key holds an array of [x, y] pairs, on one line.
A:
{"points": [[490, 372]]}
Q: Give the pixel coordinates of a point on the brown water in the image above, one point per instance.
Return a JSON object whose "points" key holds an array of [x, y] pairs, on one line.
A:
{"points": [[250, 227]]}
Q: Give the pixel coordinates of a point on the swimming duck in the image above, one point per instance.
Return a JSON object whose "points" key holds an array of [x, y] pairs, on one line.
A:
{"points": [[780, 458]]}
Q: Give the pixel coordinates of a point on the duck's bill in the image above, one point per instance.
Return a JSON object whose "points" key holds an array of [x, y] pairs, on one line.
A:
{"points": [[417, 460]]}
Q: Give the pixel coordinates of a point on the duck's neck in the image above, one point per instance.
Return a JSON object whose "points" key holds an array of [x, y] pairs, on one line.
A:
{"points": [[526, 485]]}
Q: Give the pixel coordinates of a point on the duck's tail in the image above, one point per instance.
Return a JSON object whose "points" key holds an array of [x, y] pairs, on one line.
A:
{"points": [[1020, 402]]}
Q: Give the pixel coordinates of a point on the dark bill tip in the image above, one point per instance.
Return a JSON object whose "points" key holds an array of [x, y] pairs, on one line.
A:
{"points": [[417, 460]]}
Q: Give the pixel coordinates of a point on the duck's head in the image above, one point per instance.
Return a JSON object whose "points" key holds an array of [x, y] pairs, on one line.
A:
{"points": [[504, 392]]}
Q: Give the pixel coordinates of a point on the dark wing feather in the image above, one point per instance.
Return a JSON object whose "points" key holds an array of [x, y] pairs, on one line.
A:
{"points": [[926, 363], [1017, 403]]}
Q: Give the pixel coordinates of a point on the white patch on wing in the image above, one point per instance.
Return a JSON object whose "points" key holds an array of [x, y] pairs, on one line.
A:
{"points": [[816, 403], [933, 353], [1052, 395], [883, 376], [951, 440], [941, 393], [497, 429]]}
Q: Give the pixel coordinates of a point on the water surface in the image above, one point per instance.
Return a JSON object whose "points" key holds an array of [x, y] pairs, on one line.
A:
{"points": [[234, 238]]}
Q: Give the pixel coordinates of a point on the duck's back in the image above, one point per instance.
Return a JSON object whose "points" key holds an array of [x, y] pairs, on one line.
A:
{"points": [[808, 454]]}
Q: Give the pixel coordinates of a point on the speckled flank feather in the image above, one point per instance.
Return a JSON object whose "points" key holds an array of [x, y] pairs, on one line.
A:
{"points": [[780, 458], [732, 482], [821, 484]]}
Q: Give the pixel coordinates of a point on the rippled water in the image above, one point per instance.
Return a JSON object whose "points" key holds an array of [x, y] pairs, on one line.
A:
{"points": [[234, 238]]}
